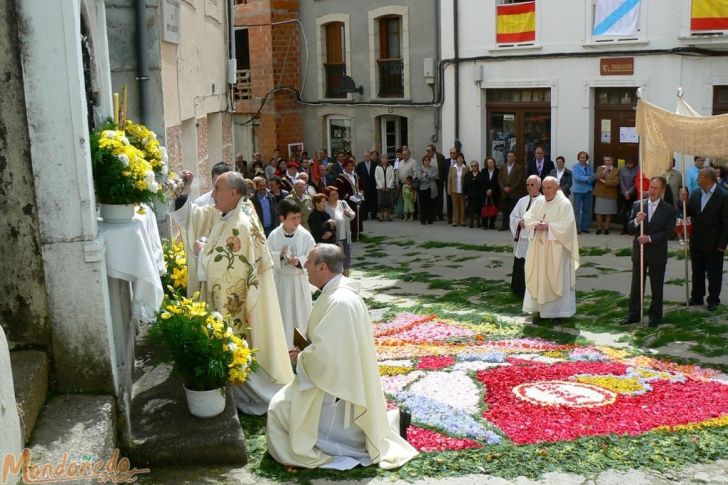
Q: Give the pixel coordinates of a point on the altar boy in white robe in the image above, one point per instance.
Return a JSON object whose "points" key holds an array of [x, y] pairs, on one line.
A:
{"points": [[553, 255], [236, 278], [289, 246], [333, 414]]}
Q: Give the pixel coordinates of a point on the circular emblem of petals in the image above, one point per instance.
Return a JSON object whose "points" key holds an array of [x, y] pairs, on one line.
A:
{"points": [[563, 393]]}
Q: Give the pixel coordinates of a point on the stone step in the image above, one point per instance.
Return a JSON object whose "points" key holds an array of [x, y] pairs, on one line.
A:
{"points": [[30, 378], [163, 432], [81, 426]]}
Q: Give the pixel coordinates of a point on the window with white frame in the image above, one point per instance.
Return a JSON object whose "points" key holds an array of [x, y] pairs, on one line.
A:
{"points": [[389, 52], [610, 21], [334, 55], [515, 23]]}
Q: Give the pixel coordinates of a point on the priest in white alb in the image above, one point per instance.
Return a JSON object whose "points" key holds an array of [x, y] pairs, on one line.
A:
{"points": [[520, 241], [553, 255], [236, 278], [333, 414], [289, 246]]}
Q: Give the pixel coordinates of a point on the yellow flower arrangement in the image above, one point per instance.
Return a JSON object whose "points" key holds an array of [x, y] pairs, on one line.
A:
{"points": [[175, 260], [203, 345], [129, 166]]}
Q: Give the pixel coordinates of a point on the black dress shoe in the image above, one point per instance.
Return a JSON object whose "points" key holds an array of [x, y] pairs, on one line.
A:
{"points": [[695, 302], [606, 232], [599, 231], [712, 306], [503, 229], [585, 231], [629, 321], [654, 323]]}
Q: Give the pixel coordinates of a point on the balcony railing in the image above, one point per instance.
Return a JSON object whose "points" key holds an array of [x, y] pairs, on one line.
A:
{"points": [[334, 80], [391, 78], [243, 90]]}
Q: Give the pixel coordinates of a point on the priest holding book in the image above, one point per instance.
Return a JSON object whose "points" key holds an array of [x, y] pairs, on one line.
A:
{"points": [[333, 414]]}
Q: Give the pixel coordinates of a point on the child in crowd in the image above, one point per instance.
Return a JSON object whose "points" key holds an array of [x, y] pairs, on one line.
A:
{"points": [[408, 193]]}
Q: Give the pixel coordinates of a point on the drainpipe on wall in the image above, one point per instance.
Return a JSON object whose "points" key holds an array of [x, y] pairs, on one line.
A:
{"points": [[140, 16], [456, 48], [437, 112], [232, 76]]}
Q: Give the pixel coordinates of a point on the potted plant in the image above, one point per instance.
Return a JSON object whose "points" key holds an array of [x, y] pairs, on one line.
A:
{"points": [[205, 352], [129, 167]]}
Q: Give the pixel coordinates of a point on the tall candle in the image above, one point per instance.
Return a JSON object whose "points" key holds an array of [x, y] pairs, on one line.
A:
{"points": [[116, 108]]}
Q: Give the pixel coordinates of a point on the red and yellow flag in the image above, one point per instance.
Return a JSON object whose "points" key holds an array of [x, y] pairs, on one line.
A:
{"points": [[516, 23], [709, 15]]}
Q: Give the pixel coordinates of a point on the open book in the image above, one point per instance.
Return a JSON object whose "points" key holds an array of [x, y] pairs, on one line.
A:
{"points": [[299, 339]]}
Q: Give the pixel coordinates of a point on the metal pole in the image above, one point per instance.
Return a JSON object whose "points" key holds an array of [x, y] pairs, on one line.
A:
{"points": [[686, 239], [640, 174]]}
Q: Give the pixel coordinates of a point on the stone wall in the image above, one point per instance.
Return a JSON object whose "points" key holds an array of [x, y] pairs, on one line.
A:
{"points": [[24, 310]]}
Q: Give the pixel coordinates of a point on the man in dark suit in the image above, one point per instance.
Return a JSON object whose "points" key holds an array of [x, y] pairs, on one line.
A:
{"points": [[365, 171], [512, 182], [265, 205], [658, 218], [539, 166], [443, 168], [708, 210]]}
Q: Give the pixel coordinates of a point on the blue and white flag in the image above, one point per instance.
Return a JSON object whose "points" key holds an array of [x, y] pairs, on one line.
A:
{"points": [[616, 17]]}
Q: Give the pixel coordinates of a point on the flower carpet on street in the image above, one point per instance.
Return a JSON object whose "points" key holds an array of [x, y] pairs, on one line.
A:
{"points": [[468, 389]]}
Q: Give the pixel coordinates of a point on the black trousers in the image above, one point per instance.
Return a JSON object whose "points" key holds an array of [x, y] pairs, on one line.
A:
{"points": [[656, 273], [449, 209], [518, 277], [710, 263], [427, 213], [472, 209], [508, 204], [438, 199]]}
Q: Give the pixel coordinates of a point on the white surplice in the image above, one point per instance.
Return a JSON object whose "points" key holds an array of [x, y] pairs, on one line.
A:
{"points": [[334, 413], [294, 291]]}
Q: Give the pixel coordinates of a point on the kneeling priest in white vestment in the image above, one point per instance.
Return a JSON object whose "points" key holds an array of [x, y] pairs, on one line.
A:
{"points": [[553, 254], [333, 414], [235, 277], [289, 246]]}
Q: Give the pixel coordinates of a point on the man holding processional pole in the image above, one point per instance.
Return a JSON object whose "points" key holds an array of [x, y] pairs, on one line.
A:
{"points": [[662, 133]]}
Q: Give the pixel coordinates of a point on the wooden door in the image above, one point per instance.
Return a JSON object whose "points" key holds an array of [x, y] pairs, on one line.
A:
{"points": [[614, 122]]}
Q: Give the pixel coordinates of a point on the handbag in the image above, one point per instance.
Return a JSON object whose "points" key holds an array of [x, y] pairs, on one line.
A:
{"points": [[416, 183], [489, 209]]}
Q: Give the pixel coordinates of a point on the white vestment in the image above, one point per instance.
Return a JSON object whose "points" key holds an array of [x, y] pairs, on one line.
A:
{"points": [[205, 199], [334, 413], [551, 259], [520, 247], [238, 273], [294, 291]]}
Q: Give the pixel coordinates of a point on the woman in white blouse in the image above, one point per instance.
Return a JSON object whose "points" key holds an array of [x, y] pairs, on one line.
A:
{"points": [[342, 214], [384, 177]]}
